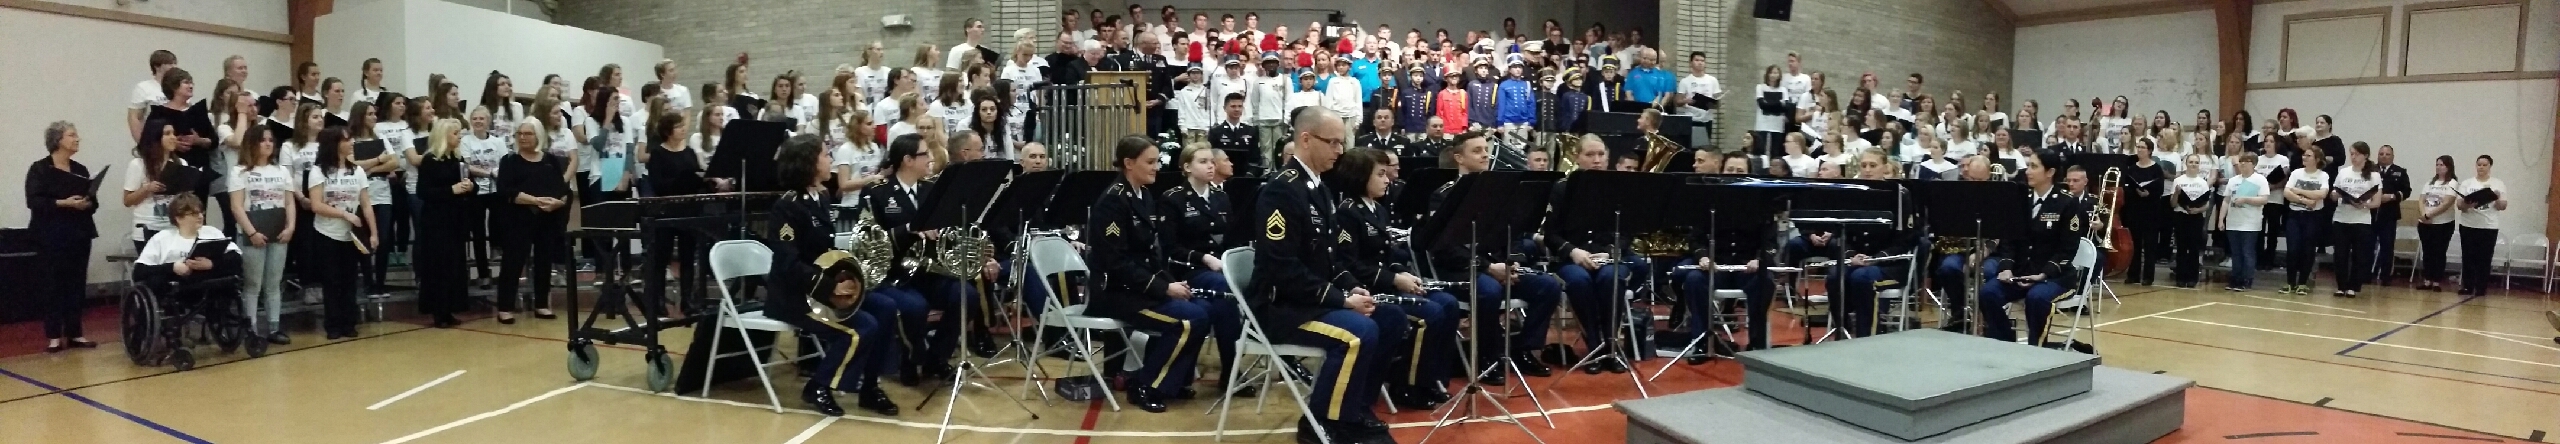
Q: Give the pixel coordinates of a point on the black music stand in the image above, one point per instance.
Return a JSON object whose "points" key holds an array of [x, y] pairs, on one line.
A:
{"points": [[964, 193], [1419, 185], [1482, 209], [1714, 209], [1839, 210], [1621, 204], [746, 154], [1973, 210]]}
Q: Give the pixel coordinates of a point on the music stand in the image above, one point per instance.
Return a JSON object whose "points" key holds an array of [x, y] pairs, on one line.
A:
{"points": [[1839, 210], [746, 154], [1482, 209], [1419, 185], [1617, 203], [1067, 203], [1973, 210], [1712, 207], [1242, 194]]}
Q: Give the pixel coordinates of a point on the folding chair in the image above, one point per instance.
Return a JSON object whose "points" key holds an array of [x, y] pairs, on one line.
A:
{"points": [[1255, 342], [1055, 257], [2074, 306], [730, 261]]}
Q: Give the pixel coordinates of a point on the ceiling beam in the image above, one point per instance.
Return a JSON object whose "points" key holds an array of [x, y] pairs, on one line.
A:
{"points": [[2231, 19], [2114, 12], [2002, 6]]}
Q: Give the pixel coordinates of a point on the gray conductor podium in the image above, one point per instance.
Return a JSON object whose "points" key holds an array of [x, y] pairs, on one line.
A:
{"points": [[1918, 386]]}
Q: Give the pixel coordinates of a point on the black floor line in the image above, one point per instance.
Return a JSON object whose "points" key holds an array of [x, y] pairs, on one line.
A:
{"points": [[2269, 434], [167, 372], [2160, 372], [2323, 402], [2376, 415]]}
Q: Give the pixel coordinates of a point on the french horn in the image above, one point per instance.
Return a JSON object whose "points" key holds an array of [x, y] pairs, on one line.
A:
{"points": [[866, 258]]}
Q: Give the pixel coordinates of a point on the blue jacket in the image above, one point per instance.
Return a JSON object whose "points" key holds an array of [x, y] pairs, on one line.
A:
{"points": [[1569, 113], [1646, 84], [1367, 72], [1480, 104], [1518, 103], [1413, 109]]}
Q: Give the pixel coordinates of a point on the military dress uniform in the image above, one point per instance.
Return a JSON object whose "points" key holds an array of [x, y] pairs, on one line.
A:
{"points": [[896, 206], [1196, 225], [1731, 246], [1426, 333], [1542, 295], [1133, 270], [803, 252], [1393, 143], [1299, 299], [2053, 236], [1241, 142], [1857, 304], [1594, 293]]}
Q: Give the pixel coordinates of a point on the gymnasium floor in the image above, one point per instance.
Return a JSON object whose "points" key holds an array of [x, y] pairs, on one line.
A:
{"points": [[2397, 365]]}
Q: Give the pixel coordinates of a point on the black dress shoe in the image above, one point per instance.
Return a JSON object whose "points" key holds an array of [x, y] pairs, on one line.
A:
{"points": [[1437, 393], [1530, 366], [1410, 398], [1184, 393], [1494, 375], [1243, 392], [83, 343], [876, 401], [1614, 365], [1146, 399], [1364, 429], [278, 338], [1307, 433], [983, 346], [540, 315], [822, 400]]}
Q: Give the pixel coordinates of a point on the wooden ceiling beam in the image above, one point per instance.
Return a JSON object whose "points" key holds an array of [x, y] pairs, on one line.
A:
{"points": [[2002, 6], [2231, 19]]}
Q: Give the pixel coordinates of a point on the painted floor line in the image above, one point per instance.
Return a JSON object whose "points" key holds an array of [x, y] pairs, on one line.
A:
{"points": [[491, 414], [2508, 339], [2420, 319], [2120, 321], [812, 432], [1060, 432], [2456, 370], [414, 390], [2364, 342], [2351, 310], [2388, 321], [92, 403]]}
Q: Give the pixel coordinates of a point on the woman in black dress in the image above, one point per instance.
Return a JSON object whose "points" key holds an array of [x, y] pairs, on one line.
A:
{"points": [[675, 169], [445, 198], [58, 196], [2146, 208]]}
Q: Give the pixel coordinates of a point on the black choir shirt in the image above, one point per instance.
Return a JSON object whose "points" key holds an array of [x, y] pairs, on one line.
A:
{"points": [[676, 173], [1130, 256], [1295, 274], [540, 178], [46, 184]]}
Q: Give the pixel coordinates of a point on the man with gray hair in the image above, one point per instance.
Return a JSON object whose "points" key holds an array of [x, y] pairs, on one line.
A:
{"points": [[965, 146], [1294, 292]]}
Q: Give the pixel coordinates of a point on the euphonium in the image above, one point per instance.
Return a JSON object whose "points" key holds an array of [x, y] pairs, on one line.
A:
{"points": [[1658, 152]]}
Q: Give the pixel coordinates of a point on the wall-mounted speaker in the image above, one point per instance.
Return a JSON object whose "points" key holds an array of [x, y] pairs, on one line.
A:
{"points": [[1780, 10]]}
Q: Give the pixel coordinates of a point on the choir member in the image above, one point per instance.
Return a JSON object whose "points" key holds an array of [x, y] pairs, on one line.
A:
{"points": [[2145, 210], [2355, 192], [2436, 224], [2479, 223], [62, 211], [449, 201], [533, 183], [337, 190]]}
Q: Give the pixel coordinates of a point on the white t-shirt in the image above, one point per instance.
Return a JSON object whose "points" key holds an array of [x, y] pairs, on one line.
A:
{"points": [[1702, 85], [1963, 149], [873, 81], [1307, 98], [169, 247], [1802, 165], [2438, 195], [379, 188], [501, 122], [959, 53], [928, 82], [2307, 179], [1799, 87], [2245, 216], [1767, 123], [2350, 183], [2191, 188], [863, 160], [224, 155], [677, 96], [263, 188], [146, 95], [344, 191], [2478, 217], [485, 152], [954, 117], [152, 214], [886, 110]]}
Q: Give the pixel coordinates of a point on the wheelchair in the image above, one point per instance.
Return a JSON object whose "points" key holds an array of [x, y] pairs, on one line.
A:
{"points": [[165, 316]]}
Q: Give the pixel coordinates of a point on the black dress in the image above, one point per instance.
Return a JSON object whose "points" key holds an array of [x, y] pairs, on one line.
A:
{"points": [[63, 243], [442, 276], [531, 237]]}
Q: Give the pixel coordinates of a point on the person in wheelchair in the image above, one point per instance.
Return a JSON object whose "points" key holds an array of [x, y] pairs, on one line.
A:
{"points": [[806, 266], [1135, 283], [2038, 265], [175, 267], [1425, 331]]}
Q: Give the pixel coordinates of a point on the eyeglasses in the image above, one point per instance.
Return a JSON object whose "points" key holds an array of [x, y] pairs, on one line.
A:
{"points": [[1328, 141]]}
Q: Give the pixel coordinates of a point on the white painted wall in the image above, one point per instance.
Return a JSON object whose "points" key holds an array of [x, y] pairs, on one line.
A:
{"points": [[257, 15], [2508, 120], [2172, 66], [2541, 46], [82, 71], [417, 38]]}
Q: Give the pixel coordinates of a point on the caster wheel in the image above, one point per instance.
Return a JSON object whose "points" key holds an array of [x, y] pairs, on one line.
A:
{"points": [[662, 370], [182, 359], [582, 361]]}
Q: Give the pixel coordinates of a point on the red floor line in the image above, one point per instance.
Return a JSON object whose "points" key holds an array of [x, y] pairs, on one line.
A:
{"points": [[2396, 372], [1092, 415]]}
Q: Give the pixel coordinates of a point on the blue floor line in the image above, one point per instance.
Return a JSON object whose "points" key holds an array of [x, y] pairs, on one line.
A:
{"points": [[2519, 378], [174, 433], [2405, 326]]}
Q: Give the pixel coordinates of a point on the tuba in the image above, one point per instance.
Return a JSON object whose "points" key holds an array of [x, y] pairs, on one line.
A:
{"points": [[1560, 154], [1658, 152]]}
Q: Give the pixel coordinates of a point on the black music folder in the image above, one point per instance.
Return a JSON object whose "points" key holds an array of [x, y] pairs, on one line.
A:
{"points": [[175, 179], [747, 107], [210, 249], [965, 191], [2481, 198], [370, 149], [98, 179]]}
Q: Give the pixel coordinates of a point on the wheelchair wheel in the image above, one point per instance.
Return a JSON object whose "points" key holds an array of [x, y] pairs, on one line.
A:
{"points": [[182, 359], [582, 360], [141, 323], [662, 370]]}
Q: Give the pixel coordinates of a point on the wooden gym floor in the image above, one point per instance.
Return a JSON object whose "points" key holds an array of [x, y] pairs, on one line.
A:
{"points": [[2397, 365]]}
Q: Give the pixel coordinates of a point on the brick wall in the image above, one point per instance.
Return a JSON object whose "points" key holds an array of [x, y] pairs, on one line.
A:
{"points": [[704, 37], [1957, 44]]}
